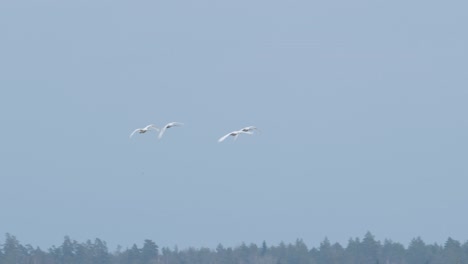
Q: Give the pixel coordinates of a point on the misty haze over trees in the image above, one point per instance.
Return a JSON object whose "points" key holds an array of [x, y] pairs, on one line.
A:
{"points": [[367, 250]]}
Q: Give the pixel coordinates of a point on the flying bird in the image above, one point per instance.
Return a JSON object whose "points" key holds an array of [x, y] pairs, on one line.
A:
{"points": [[172, 124], [145, 129], [235, 134]]}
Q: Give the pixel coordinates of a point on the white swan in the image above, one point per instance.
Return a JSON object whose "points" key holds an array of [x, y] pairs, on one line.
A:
{"points": [[144, 130], [172, 124], [235, 134]]}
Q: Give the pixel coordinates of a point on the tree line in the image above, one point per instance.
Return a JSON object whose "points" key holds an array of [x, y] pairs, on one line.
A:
{"points": [[367, 250]]}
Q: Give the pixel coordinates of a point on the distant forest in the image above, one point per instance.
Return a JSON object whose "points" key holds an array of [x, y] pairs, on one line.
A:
{"points": [[358, 251]]}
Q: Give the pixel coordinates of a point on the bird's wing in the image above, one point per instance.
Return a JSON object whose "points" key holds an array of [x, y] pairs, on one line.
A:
{"points": [[153, 127], [224, 137], [148, 127], [134, 131], [176, 124], [162, 132]]}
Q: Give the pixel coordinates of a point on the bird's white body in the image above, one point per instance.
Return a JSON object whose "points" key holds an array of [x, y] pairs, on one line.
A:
{"points": [[169, 125]]}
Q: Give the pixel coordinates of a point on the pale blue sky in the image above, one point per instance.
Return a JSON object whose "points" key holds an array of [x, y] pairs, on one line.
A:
{"points": [[362, 106]]}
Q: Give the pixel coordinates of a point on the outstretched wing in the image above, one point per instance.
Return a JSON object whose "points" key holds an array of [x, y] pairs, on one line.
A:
{"points": [[152, 127], [134, 131], [162, 132], [224, 137], [174, 124]]}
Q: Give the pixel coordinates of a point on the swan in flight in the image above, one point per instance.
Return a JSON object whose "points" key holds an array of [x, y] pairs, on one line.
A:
{"points": [[172, 124], [145, 129], [235, 134]]}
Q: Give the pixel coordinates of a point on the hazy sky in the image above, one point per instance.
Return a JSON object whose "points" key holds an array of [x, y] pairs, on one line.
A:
{"points": [[362, 107]]}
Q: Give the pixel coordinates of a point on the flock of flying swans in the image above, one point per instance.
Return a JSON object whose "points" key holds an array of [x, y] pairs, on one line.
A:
{"points": [[246, 130]]}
